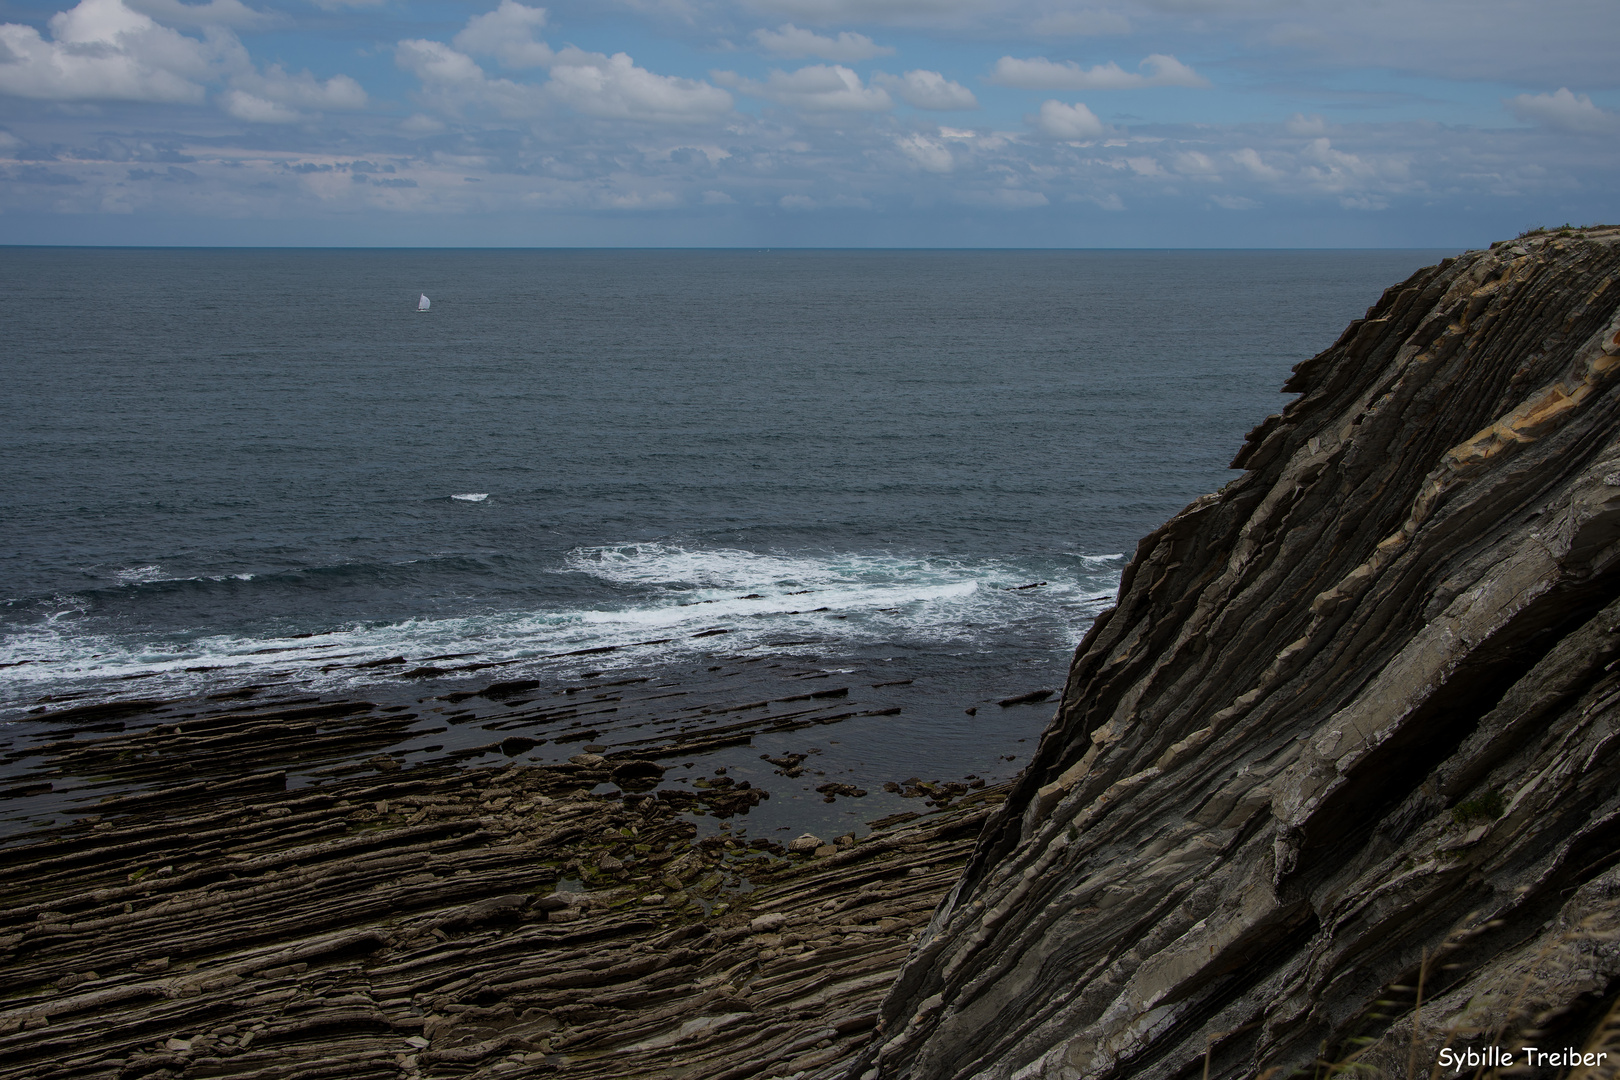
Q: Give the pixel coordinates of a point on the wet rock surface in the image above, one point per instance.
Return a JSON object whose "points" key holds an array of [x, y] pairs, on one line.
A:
{"points": [[1350, 734], [438, 922], [663, 727], [461, 876]]}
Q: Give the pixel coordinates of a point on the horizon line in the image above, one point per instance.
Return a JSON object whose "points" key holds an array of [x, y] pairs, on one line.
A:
{"points": [[671, 247]]}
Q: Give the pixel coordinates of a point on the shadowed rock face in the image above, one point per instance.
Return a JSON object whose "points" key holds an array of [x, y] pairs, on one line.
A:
{"points": [[1352, 724]]}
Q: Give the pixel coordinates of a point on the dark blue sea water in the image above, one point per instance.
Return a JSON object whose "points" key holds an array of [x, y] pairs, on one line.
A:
{"points": [[209, 454]]}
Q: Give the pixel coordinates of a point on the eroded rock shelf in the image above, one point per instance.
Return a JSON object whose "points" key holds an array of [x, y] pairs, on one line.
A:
{"points": [[452, 922]]}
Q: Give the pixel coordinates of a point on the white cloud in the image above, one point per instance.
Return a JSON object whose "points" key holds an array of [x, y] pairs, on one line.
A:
{"points": [[1234, 202], [436, 62], [1086, 23], [1446, 39], [507, 33], [1562, 110], [792, 41], [1040, 73], [1005, 198], [1195, 163], [1062, 121], [636, 200], [593, 84], [1299, 124], [214, 13], [453, 81], [798, 202], [103, 50], [1335, 170], [925, 12], [927, 90], [274, 96], [614, 88], [106, 50], [255, 109], [421, 124], [816, 88], [1249, 158], [927, 153]]}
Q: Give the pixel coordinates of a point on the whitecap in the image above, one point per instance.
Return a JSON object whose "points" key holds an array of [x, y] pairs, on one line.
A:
{"points": [[472, 496], [669, 596]]}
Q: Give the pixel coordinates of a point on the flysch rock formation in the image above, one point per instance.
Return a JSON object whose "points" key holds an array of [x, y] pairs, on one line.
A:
{"points": [[1350, 737], [445, 922]]}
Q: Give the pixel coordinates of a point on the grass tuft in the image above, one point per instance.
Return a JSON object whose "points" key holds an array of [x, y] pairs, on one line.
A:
{"points": [[1481, 808]]}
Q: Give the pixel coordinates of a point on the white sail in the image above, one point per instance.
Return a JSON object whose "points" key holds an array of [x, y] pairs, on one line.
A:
{"points": [[424, 303]]}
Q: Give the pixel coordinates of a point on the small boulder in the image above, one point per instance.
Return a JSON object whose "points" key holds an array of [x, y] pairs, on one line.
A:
{"points": [[556, 901], [513, 745], [509, 688], [1031, 698], [806, 844], [637, 775], [768, 924]]}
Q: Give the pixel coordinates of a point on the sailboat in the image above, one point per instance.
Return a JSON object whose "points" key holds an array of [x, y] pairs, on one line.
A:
{"points": [[424, 303]]}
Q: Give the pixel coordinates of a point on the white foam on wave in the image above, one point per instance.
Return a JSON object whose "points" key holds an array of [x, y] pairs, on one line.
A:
{"points": [[472, 496], [672, 567], [833, 599], [844, 600], [154, 575]]}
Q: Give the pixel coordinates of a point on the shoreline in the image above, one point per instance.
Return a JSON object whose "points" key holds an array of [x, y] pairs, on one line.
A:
{"points": [[811, 731], [470, 875]]}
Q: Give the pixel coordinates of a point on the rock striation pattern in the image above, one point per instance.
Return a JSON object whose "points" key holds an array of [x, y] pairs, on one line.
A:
{"points": [[1350, 736], [450, 922]]}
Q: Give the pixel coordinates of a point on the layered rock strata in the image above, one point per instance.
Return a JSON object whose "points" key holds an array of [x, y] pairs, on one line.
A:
{"points": [[441, 922], [1350, 736], [62, 754]]}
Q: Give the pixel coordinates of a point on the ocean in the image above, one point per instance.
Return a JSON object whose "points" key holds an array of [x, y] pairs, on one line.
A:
{"points": [[229, 467]]}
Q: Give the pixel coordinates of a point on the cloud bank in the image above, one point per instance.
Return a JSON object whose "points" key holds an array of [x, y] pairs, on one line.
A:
{"points": [[1040, 73], [737, 120]]}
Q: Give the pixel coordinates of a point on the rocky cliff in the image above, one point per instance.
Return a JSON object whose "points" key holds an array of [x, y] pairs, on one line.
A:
{"points": [[1343, 760]]}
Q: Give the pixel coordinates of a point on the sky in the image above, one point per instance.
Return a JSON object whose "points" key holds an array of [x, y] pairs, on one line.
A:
{"points": [[820, 123]]}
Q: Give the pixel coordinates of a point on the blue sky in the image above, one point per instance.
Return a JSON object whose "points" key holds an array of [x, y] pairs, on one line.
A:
{"points": [[1013, 123]]}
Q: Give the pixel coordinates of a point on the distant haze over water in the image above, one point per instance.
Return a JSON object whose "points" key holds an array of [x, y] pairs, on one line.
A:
{"points": [[211, 454]]}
